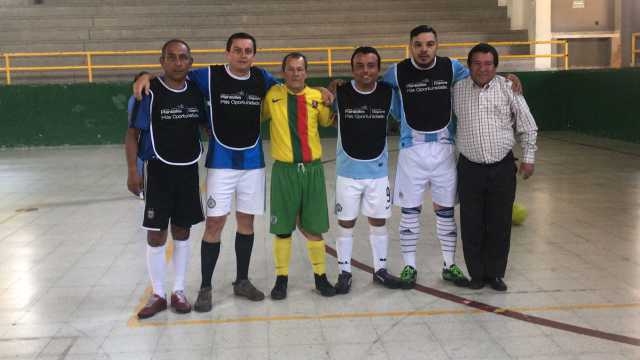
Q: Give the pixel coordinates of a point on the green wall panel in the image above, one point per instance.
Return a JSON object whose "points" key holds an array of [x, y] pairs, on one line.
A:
{"points": [[597, 102], [76, 114]]}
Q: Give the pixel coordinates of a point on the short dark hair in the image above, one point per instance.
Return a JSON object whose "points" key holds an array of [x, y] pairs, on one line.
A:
{"points": [[173, 41], [365, 50], [483, 48], [241, 35], [422, 29], [296, 55]]}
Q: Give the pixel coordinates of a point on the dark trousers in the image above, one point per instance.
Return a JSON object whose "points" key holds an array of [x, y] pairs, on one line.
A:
{"points": [[486, 193]]}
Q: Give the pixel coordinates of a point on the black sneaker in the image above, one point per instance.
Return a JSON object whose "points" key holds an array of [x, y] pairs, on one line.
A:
{"points": [[323, 286], [246, 289], [387, 280], [344, 283], [279, 290], [204, 302], [455, 275], [476, 283], [497, 284]]}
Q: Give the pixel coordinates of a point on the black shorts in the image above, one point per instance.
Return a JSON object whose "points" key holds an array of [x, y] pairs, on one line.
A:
{"points": [[171, 192]]}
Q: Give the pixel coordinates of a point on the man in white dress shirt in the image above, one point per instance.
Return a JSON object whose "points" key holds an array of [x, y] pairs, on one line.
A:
{"points": [[490, 116]]}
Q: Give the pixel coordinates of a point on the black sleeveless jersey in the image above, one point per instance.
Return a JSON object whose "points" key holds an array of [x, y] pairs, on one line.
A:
{"points": [[426, 94], [235, 107], [362, 120], [175, 117]]}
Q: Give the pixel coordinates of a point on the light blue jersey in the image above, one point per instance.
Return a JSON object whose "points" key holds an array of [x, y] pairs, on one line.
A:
{"points": [[362, 131], [422, 99]]}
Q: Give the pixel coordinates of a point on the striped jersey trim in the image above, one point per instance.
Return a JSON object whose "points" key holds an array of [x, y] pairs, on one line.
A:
{"points": [[298, 127]]}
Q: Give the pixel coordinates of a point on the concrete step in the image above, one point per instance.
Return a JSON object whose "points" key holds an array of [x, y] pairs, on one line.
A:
{"points": [[116, 22], [220, 42], [264, 31], [244, 3], [240, 8], [75, 25]]}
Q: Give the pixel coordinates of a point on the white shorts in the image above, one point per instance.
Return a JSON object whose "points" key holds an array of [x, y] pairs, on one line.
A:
{"points": [[374, 194], [247, 185], [420, 167]]}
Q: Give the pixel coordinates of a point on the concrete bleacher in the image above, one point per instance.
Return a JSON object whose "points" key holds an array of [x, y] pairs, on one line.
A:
{"points": [[77, 25]]}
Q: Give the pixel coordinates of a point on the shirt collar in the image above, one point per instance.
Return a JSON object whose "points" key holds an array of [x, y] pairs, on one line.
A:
{"points": [[304, 90], [424, 68], [353, 84], [245, 77], [487, 86]]}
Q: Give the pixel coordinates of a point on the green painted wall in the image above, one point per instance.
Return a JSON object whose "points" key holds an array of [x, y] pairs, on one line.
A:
{"points": [[597, 102], [76, 114]]}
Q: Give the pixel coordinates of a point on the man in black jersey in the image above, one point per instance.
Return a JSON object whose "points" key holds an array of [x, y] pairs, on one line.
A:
{"points": [[362, 183], [163, 132]]}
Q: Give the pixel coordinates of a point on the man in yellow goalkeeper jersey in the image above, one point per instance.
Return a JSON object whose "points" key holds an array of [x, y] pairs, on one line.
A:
{"points": [[298, 194]]}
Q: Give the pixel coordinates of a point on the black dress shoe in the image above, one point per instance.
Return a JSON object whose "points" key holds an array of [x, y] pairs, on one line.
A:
{"points": [[497, 284], [476, 284]]}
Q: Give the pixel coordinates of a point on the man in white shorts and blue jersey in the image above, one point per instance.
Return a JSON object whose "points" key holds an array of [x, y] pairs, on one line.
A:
{"points": [[427, 160], [362, 183], [235, 159]]}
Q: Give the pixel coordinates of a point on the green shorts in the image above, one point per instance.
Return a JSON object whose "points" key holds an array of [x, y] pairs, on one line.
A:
{"points": [[298, 190]]}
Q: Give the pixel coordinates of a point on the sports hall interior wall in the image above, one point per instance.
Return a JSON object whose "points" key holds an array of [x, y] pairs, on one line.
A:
{"points": [[595, 102]]}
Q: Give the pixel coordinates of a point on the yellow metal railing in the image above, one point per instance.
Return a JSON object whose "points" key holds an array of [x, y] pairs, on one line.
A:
{"points": [[634, 48], [89, 57]]}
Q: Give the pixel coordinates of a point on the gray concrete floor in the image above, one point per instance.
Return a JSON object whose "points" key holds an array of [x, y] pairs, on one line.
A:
{"points": [[72, 273]]}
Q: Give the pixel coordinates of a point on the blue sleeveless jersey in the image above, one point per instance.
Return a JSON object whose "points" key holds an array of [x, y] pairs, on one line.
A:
{"points": [[220, 154]]}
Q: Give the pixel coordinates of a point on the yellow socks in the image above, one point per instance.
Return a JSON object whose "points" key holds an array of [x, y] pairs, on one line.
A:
{"points": [[316, 252], [282, 255]]}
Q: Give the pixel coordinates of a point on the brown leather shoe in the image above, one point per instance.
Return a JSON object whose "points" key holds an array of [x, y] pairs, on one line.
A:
{"points": [[245, 288], [153, 306], [179, 302]]}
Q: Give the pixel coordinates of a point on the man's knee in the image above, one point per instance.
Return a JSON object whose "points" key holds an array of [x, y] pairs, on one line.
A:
{"points": [[310, 236], [438, 207], [156, 238], [180, 233], [377, 222], [245, 223], [347, 224], [213, 228]]}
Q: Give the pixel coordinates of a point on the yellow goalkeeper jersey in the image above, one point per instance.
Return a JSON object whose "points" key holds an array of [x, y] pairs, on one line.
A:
{"points": [[294, 123]]}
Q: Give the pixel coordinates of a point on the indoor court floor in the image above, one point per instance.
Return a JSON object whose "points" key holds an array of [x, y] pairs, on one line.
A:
{"points": [[73, 273]]}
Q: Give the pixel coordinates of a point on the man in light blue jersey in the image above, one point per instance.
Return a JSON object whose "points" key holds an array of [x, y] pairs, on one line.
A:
{"points": [[427, 160], [362, 183]]}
